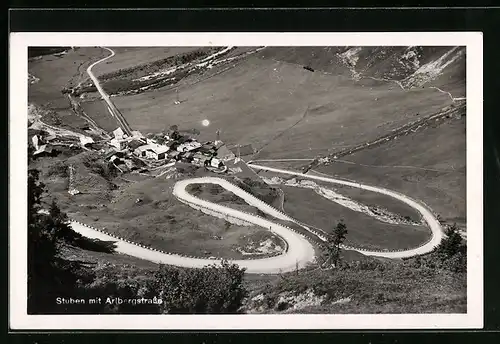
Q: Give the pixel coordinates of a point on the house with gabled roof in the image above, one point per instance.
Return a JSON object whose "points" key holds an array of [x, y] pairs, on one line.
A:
{"points": [[152, 151]]}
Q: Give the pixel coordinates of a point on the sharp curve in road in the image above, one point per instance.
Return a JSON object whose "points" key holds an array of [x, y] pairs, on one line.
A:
{"points": [[437, 233], [300, 251]]}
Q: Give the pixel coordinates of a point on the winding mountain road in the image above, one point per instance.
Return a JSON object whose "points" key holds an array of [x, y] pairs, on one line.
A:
{"points": [[299, 252], [437, 233]]}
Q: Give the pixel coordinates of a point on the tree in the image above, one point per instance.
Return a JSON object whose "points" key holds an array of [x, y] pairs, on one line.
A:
{"points": [[49, 276], [212, 289], [334, 241], [452, 251], [452, 244]]}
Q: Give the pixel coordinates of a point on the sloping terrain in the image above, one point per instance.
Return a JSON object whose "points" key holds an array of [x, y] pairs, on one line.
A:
{"points": [[282, 109], [363, 231], [127, 57], [56, 72], [412, 66], [429, 165], [353, 95]]}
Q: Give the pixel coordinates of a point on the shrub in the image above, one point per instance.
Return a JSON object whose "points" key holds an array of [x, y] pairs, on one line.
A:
{"points": [[195, 189], [58, 169], [452, 244], [212, 289]]}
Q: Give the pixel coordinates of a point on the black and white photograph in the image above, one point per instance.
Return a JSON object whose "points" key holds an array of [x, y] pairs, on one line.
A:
{"points": [[224, 176]]}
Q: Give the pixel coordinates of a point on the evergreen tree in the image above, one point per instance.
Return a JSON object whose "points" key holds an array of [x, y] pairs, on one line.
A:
{"points": [[49, 276], [452, 244], [334, 241], [452, 251]]}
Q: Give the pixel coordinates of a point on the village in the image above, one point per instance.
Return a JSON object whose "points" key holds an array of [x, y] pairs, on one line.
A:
{"points": [[137, 153], [166, 149]]}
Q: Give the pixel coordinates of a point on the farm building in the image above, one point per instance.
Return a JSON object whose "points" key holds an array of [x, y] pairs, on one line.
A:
{"points": [[188, 146], [157, 152], [45, 150], [119, 134], [85, 141], [152, 151], [119, 144], [214, 162], [141, 151], [137, 134], [208, 149], [113, 154], [200, 159], [134, 144]]}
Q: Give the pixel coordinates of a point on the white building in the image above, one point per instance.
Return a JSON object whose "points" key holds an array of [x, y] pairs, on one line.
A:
{"points": [[119, 144], [216, 163], [119, 134], [85, 140], [152, 151], [188, 146]]}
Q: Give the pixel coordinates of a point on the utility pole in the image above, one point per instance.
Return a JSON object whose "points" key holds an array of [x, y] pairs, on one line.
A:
{"points": [[238, 155]]}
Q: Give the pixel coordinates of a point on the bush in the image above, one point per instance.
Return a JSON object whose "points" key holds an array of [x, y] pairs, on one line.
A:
{"points": [[195, 189], [212, 289], [452, 252], [58, 169], [452, 244], [215, 189], [100, 167]]}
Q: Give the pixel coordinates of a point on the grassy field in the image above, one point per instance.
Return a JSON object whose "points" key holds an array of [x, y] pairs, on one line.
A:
{"points": [[428, 165], [365, 197], [363, 231], [373, 287], [384, 287], [287, 110], [390, 288], [58, 72], [126, 57], [55, 73], [375, 199], [98, 111], [158, 219]]}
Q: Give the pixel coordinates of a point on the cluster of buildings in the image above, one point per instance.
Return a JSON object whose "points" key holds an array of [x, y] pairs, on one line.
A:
{"points": [[172, 148], [46, 144]]}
